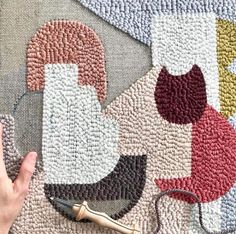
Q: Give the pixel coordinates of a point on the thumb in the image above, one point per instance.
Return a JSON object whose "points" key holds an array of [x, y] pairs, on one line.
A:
{"points": [[22, 181]]}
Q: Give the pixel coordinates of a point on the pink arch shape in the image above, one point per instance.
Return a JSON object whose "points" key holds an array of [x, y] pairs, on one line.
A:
{"points": [[63, 41]]}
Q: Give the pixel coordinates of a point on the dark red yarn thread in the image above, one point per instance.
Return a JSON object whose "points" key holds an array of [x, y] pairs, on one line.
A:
{"points": [[181, 99]]}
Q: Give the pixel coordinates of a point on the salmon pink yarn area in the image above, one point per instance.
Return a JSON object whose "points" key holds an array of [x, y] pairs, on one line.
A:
{"points": [[67, 42], [213, 163]]}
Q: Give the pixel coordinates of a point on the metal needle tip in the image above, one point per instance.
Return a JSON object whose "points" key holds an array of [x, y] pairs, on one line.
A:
{"points": [[60, 201]]}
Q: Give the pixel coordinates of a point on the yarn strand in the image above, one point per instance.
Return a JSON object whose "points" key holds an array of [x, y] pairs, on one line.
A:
{"points": [[195, 197]]}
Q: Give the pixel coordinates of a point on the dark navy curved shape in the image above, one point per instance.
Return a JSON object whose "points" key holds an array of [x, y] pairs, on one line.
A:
{"points": [[125, 182]]}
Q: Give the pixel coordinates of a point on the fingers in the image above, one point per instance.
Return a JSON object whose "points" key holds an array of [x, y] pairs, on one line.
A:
{"points": [[3, 172], [21, 184]]}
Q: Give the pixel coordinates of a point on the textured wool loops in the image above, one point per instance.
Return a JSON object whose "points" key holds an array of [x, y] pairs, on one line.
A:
{"points": [[67, 42], [164, 135], [192, 195]]}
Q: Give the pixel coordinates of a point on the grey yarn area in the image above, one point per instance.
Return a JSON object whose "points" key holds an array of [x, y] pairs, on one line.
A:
{"points": [[12, 158], [195, 197]]}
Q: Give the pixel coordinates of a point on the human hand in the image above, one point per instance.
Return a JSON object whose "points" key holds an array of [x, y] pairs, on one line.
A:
{"points": [[12, 194]]}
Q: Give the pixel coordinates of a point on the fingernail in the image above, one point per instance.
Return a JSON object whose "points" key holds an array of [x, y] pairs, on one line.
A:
{"points": [[33, 156], [1, 129]]}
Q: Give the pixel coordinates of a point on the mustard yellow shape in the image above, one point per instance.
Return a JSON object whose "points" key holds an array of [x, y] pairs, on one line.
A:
{"points": [[226, 53]]}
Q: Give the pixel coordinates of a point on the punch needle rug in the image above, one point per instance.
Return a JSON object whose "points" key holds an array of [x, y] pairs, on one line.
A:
{"points": [[173, 129]]}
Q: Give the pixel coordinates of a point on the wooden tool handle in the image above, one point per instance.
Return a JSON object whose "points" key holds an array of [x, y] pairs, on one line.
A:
{"points": [[82, 211]]}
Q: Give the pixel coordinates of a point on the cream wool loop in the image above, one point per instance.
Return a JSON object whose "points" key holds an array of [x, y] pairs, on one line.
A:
{"points": [[134, 17], [180, 41], [79, 144]]}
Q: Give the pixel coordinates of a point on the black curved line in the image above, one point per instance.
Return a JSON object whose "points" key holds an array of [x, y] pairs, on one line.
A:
{"points": [[188, 193], [19, 99], [129, 175]]}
